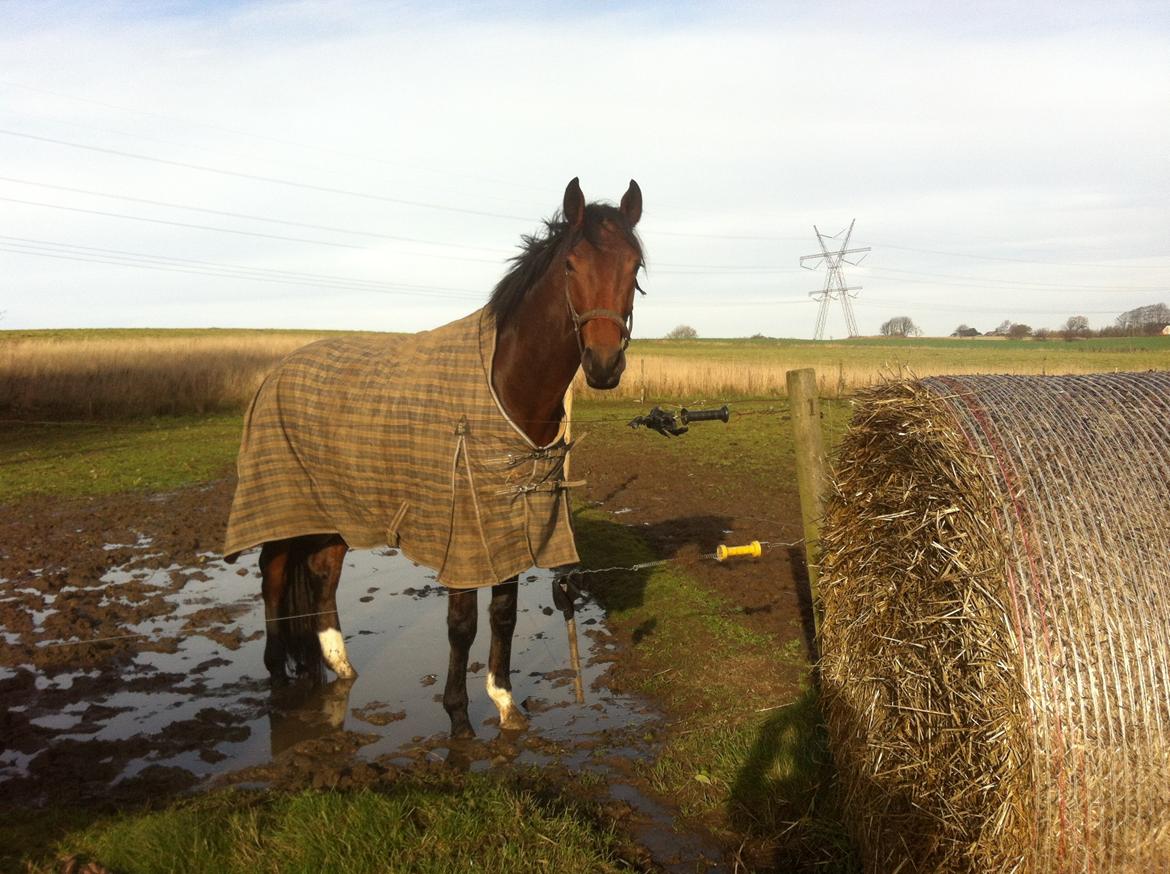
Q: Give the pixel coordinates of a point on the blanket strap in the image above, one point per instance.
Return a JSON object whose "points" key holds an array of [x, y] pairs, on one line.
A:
{"points": [[552, 486]]}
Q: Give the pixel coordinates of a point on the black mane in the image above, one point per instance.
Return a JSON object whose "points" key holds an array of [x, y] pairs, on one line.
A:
{"points": [[540, 250]]}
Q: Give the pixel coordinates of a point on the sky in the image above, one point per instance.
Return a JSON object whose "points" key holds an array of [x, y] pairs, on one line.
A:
{"points": [[355, 165]]}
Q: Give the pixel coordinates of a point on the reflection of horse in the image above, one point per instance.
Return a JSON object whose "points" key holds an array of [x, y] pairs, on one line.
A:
{"points": [[449, 444], [306, 709]]}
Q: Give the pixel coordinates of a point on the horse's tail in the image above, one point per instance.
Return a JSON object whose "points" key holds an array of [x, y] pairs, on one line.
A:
{"points": [[297, 621]]}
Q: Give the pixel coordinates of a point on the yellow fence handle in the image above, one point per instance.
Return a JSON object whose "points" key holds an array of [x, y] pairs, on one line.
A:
{"points": [[725, 552]]}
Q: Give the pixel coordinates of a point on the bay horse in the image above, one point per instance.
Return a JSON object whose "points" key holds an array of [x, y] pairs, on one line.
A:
{"points": [[566, 303]]}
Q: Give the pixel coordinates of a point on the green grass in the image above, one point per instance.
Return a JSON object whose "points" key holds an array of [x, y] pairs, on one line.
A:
{"points": [[725, 458], [989, 354], [748, 756], [72, 459], [448, 824]]}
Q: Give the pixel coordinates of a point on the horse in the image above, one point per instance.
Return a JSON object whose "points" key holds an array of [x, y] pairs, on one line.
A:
{"points": [[566, 303]]}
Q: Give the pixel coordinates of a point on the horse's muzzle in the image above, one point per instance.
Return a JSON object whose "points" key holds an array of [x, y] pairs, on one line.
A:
{"points": [[603, 369]]}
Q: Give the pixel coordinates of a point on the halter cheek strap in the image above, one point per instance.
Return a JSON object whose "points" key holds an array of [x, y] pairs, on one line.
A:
{"points": [[625, 323]]}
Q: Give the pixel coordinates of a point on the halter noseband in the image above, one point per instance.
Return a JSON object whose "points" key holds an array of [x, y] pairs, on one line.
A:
{"points": [[625, 323]]}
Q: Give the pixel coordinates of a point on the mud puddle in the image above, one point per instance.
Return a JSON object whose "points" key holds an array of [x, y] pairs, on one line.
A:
{"points": [[151, 681], [194, 694]]}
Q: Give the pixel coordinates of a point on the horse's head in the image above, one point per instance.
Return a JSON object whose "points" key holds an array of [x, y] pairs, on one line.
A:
{"points": [[601, 275]]}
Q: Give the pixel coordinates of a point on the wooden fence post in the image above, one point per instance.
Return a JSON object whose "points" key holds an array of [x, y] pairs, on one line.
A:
{"points": [[809, 447]]}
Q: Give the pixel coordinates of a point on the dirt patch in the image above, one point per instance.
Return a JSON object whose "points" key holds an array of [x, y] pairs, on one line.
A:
{"points": [[685, 504], [53, 549]]}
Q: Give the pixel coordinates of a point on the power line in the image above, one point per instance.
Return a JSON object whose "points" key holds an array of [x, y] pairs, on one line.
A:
{"points": [[30, 241], [1030, 261], [486, 213], [154, 221], [1006, 285], [962, 308], [761, 239], [264, 137], [982, 281], [273, 180], [682, 269], [93, 255], [260, 218]]}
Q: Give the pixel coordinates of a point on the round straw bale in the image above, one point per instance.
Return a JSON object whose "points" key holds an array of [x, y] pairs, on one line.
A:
{"points": [[995, 577]]}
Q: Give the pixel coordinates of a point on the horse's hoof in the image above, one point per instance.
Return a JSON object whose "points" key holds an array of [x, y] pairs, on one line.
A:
{"points": [[514, 720], [462, 732], [279, 679]]}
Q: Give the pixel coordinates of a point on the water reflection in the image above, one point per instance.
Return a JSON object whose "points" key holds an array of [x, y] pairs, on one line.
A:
{"points": [[197, 696], [306, 709]]}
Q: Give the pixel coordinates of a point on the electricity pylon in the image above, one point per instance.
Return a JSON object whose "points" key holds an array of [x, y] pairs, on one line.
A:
{"points": [[835, 287]]}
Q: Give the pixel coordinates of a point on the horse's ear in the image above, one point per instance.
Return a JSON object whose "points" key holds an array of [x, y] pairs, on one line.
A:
{"points": [[574, 207], [632, 203]]}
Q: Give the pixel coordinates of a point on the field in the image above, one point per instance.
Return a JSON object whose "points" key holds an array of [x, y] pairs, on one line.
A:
{"points": [[132, 373], [133, 470], [752, 368]]}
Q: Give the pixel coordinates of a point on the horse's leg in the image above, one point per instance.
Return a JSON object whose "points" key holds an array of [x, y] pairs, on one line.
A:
{"points": [[325, 564], [499, 678], [274, 557], [462, 608]]}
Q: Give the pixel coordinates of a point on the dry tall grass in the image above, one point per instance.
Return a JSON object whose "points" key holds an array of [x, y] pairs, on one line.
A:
{"points": [[118, 374], [680, 380], [92, 377]]}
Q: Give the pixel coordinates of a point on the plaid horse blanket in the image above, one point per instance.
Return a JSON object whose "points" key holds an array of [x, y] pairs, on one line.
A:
{"points": [[401, 441]]}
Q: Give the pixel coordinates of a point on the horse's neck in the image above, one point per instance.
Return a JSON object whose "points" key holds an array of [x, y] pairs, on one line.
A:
{"points": [[536, 358]]}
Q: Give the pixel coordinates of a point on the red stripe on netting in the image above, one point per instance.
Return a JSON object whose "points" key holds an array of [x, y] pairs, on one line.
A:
{"points": [[1023, 518]]}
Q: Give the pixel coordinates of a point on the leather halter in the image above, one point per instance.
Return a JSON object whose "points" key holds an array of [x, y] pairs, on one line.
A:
{"points": [[625, 323]]}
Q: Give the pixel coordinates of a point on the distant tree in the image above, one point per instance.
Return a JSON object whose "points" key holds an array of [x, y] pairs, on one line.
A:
{"points": [[1002, 330], [900, 326], [1075, 326], [1041, 334], [1145, 320], [966, 331], [682, 332], [1019, 331]]}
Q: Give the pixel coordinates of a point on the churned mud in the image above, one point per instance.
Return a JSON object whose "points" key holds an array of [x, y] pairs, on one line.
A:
{"points": [[131, 669], [159, 671]]}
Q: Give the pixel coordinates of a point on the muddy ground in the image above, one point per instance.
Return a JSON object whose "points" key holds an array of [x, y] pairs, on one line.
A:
{"points": [[59, 556]]}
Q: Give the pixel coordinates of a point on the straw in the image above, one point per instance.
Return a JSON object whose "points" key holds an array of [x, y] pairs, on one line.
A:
{"points": [[996, 638]]}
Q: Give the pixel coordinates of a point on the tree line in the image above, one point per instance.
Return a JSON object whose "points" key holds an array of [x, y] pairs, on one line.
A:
{"points": [[1141, 321]]}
